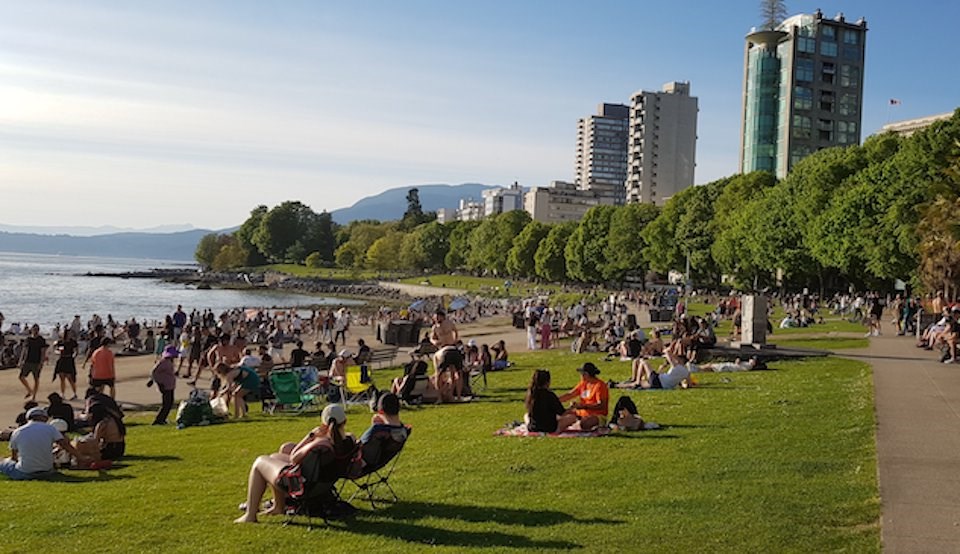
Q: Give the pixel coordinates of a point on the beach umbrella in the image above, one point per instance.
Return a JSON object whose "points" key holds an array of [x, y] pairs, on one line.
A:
{"points": [[459, 304], [418, 305]]}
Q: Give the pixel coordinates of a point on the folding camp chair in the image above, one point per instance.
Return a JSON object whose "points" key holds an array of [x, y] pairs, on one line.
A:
{"points": [[380, 455], [289, 390], [353, 390], [478, 377], [312, 491]]}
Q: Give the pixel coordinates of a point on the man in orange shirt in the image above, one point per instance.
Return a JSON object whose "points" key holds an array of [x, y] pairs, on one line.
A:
{"points": [[594, 396], [102, 369]]}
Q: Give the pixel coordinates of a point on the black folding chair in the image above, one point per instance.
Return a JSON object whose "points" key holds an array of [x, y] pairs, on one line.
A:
{"points": [[380, 455]]}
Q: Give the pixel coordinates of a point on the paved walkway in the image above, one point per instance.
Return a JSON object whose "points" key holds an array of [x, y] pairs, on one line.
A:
{"points": [[918, 445]]}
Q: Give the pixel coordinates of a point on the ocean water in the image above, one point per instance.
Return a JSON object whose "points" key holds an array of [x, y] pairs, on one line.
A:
{"points": [[47, 289]]}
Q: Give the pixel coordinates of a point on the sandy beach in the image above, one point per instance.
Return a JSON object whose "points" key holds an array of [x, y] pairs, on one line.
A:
{"points": [[134, 371]]}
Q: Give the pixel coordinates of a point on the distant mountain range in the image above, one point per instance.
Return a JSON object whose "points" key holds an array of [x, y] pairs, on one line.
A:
{"points": [[178, 242], [391, 204]]}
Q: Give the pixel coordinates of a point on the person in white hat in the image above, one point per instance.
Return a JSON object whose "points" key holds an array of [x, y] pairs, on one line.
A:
{"points": [[281, 471], [31, 448]]}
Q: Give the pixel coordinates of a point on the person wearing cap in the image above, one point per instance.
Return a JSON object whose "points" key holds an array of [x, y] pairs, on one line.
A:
{"points": [[164, 375], [338, 368], [280, 470], [593, 396], [31, 448]]}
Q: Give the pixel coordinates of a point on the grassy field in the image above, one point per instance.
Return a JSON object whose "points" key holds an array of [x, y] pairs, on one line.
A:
{"points": [[825, 343], [492, 286], [333, 273], [765, 461]]}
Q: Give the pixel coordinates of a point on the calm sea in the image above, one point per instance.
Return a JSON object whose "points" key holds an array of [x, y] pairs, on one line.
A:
{"points": [[46, 289]]}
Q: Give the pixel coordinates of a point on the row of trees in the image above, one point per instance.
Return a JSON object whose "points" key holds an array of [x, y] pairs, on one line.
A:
{"points": [[862, 215]]}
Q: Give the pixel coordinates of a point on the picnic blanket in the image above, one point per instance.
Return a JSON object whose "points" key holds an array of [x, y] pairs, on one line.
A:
{"points": [[521, 431]]}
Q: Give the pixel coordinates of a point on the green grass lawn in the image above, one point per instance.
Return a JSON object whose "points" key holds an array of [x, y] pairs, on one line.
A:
{"points": [[492, 286], [747, 462], [825, 343], [333, 273]]}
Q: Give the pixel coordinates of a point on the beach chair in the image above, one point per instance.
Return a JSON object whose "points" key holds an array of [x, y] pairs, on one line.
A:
{"points": [[353, 390], [289, 392], [380, 455], [478, 379], [317, 495]]}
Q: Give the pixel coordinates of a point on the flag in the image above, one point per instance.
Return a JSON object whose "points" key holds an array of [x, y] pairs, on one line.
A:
{"points": [[894, 102]]}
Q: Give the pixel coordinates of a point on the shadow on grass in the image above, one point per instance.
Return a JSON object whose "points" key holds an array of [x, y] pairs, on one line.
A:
{"points": [[432, 536], [646, 435], [157, 458], [484, 514], [87, 477]]}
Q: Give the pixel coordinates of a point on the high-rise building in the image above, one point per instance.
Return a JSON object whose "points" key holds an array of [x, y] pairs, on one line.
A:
{"points": [[602, 151], [802, 90], [662, 143]]}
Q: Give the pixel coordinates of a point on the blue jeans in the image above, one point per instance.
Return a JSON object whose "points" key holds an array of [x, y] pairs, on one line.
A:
{"points": [[8, 467]]}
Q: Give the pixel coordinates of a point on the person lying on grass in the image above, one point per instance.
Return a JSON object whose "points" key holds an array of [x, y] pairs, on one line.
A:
{"points": [[280, 470], [736, 365], [545, 413], [674, 373], [592, 407]]}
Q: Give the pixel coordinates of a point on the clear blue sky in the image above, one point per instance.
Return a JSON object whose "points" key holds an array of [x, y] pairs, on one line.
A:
{"points": [[150, 113]]}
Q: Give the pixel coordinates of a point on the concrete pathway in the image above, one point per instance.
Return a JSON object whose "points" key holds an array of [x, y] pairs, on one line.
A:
{"points": [[918, 445]]}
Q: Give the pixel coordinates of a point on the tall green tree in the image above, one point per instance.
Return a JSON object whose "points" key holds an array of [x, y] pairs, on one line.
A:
{"points": [[550, 261], [459, 252], [491, 241], [384, 253], [624, 253], [244, 236], [415, 216], [520, 259], [586, 251]]}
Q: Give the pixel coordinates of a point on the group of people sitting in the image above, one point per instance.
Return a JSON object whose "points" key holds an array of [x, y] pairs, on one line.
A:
{"points": [[39, 444], [943, 335], [305, 473]]}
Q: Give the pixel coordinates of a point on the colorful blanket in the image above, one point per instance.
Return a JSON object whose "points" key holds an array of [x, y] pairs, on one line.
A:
{"points": [[521, 431]]}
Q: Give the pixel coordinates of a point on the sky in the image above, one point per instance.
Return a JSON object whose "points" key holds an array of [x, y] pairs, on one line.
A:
{"points": [[142, 114]]}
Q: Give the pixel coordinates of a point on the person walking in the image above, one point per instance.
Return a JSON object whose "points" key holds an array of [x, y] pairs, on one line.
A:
{"points": [[32, 360], [164, 375], [66, 367]]}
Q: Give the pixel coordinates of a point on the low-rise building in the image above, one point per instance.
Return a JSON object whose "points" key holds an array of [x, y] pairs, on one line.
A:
{"points": [[562, 201], [911, 126]]}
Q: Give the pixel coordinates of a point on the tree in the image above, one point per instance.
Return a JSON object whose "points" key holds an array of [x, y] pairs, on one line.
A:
{"points": [[939, 235], [434, 243], [520, 259], [384, 253], [415, 216], [362, 235], [291, 230], [491, 241], [550, 261], [586, 248], [207, 249], [230, 255], [244, 236], [460, 232], [314, 260], [412, 255], [772, 13], [625, 244]]}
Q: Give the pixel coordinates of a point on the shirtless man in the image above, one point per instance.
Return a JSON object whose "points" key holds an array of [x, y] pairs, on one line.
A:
{"points": [[444, 336], [224, 353]]}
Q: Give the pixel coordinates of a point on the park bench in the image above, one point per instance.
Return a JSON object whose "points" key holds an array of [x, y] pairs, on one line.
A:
{"points": [[383, 355]]}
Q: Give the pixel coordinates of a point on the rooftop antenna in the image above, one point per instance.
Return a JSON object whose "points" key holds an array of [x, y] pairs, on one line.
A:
{"points": [[772, 13]]}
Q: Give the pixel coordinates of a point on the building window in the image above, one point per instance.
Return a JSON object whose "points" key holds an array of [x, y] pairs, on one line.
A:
{"points": [[806, 44], [849, 76], [827, 31], [848, 104], [850, 37], [802, 98], [805, 70], [802, 127], [851, 53], [847, 132], [828, 48]]}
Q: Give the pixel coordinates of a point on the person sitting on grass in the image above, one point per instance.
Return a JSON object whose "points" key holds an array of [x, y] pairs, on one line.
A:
{"points": [[500, 356], [626, 417], [544, 411], [31, 448], [653, 347], [108, 431], [592, 407], [280, 471]]}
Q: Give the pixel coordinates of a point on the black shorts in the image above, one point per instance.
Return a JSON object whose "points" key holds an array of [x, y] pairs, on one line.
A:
{"points": [[655, 380], [102, 382], [451, 358]]}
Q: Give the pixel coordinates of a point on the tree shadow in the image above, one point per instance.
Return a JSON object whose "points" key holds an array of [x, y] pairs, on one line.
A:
{"points": [[485, 514], [432, 536]]}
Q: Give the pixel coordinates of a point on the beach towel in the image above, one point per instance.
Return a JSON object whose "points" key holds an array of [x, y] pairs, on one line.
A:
{"points": [[521, 431]]}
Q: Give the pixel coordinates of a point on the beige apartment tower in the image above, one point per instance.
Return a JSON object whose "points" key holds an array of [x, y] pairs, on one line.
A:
{"points": [[662, 144], [602, 151]]}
